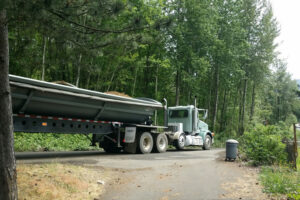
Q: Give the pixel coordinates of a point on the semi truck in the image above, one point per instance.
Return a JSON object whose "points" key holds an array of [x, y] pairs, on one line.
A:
{"points": [[116, 123]]}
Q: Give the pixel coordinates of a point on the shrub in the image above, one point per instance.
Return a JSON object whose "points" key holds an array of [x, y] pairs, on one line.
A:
{"points": [[51, 142], [263, 145]]}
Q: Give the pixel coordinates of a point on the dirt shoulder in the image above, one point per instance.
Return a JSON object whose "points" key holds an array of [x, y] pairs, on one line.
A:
{"points": [[244, 186], [61, 181]]}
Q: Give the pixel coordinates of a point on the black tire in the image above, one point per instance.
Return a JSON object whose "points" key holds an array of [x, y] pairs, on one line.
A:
{"points": [[145, 143], [179, 144], [109, 146], [207, 143], [160, 143]]}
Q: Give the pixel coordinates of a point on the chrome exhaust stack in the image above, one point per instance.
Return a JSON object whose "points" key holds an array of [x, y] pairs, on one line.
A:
{"points": [[195, 116], [165, 112]]}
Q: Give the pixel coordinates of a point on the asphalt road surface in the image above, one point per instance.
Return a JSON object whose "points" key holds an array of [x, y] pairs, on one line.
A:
{"points": [[179, 175]]}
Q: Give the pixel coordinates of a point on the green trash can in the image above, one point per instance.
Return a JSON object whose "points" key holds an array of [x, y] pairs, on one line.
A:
{"points": [[231, 149]]}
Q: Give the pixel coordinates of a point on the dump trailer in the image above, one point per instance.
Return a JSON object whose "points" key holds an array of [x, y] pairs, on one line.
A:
{"points": [[117, 123]]}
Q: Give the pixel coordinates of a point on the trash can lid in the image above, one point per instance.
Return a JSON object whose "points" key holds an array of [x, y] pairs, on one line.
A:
{"points": [[232, 141]]}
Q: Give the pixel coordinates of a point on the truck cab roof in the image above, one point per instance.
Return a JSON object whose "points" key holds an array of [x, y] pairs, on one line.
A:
{"points": [[181, 107]]}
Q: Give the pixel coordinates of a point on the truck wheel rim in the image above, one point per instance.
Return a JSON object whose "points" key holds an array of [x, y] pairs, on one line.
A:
{"points": [[162, 143], [207, 142], [181, 140], [146, 143]]}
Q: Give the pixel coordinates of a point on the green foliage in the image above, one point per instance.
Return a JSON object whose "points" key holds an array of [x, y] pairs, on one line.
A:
{"points": [[291, 119], [221, 138], [296, 109], [281, 180], [280, 95], [263, 145], [51, 142], [219, 51]]}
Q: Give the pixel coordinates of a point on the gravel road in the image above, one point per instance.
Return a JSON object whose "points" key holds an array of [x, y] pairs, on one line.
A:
{"points": [[179, 175]]}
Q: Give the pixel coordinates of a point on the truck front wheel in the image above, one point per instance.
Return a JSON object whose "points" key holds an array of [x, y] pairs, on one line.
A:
{"points": [[160, 143], [179, 144], [207, 143], [145, 143]]}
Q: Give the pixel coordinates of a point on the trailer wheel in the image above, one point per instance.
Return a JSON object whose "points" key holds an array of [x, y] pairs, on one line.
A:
{"points": [[207, 143], [145, 143], [160, 143], [179, 144]]}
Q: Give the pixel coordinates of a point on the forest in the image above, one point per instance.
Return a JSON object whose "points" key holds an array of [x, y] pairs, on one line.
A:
{"points": [[222, 52]]}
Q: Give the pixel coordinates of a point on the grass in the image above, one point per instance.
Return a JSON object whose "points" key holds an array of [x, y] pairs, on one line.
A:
{"points": [[282, 180], [51, 142], [59, 181]]}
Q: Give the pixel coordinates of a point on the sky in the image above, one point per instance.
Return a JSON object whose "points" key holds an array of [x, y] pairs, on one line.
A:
{"points": [[287, 13]]}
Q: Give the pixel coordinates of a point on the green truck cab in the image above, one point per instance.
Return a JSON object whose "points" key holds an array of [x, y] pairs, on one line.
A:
{"points": [[187, 128]]}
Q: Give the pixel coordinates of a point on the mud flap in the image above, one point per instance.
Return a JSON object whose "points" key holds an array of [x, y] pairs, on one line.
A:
{"points": [[130, 147]]}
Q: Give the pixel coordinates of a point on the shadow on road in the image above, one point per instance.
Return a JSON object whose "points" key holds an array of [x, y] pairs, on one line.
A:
{"points": [[32, 155], [122, 155]]}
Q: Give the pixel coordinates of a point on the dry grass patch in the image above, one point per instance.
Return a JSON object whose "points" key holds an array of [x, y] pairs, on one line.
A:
{"points": [[60, 181]]}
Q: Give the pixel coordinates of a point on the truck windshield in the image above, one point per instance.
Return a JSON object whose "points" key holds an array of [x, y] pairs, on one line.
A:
{"points": [[178, 113]]}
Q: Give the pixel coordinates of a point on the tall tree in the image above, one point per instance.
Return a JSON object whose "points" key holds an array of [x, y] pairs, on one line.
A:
{"points": [[8, 174]]}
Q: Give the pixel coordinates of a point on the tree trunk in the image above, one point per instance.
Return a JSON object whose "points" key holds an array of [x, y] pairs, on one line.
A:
{"points": [[156, 94], [156, 84], [98, 80], [90, 69], [88, 79], [78, 70], [147, 73], [79, 62], [234, 108], [241, 127], [278, 107], [252, 102], [44, 57], [177, 87], [8, 173], [215, 112], [134, 82], [223, 120], [210, 94], [112, 78]]}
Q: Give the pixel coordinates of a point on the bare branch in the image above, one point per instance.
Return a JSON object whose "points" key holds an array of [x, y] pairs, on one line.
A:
{"points": [[123, 30]]}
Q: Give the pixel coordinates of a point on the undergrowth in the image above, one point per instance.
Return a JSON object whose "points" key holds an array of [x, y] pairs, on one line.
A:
{"points": [[221, 138], [266, 146], [51, 142], [282, 180]]}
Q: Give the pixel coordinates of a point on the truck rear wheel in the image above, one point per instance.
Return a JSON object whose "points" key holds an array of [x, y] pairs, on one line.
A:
{"points": [[179, 144], [160, 143], [145, 143]]}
